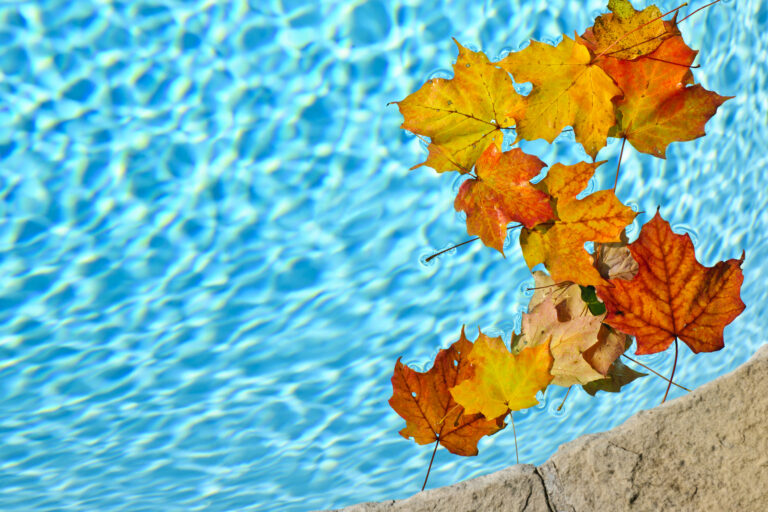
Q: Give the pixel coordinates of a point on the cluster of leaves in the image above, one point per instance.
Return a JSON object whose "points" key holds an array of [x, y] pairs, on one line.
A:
{"points": [[629, 77]]}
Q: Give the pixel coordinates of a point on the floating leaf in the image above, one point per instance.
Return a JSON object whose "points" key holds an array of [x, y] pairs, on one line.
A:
{"points": [[659, 104], [673, 295], [614, 260], [583, 337], [502, 193], [565, 295], [567, 337], [464, 115], [567, 90], [599, 217], [610, 345], [430, 412], [565, 182], [503, 381], [626, 33]]}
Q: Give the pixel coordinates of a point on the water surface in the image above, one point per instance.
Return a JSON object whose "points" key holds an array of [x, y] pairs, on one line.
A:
{"points": [[211, 247]]}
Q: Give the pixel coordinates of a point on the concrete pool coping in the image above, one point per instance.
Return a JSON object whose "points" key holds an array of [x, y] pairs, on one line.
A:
{"points": [[705, 451]]}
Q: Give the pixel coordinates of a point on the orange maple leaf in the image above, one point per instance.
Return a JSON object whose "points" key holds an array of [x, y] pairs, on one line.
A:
{"points": [[430, 412], [503, 381], [657, 108], [464, 115], [568, 89], [599, 217], [673, 295], [502, 193]]}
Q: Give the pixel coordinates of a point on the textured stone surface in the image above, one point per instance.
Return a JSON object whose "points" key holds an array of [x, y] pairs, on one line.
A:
{"points": [[515, 488], [706, 451]]}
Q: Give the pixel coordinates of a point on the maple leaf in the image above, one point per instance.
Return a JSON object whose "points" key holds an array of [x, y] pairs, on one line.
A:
{"points": [[619, 375], [463, 115], [502, 193], [568, 89], [673, 295], [429, 410], [503, 381], [626, 33], [599, 217], [660, 106], [582, 346]]}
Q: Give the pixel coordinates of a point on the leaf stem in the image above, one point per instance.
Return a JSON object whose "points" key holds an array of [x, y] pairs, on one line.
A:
{"points": [[559, 285], [655, 372], [437, 442], [618, 167], [689, 66], [465, 242], [449, 412], [512, 420], [674, 366], [560, 407], [697, 10]]}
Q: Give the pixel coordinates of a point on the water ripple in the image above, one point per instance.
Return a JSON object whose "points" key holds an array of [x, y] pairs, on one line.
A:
{"points": [[211, 247]]}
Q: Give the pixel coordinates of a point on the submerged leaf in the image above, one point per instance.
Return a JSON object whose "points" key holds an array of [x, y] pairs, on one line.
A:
{"points": [[619, 376]]}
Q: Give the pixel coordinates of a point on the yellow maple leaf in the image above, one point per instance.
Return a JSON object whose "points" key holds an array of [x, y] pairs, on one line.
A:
{"points": [[564, 182], [503, 381], [568, 89], [599, 217], [464, 115]]}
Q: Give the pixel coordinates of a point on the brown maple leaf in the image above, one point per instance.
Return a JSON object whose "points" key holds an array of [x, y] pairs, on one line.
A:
{"points": [[582, 346]]}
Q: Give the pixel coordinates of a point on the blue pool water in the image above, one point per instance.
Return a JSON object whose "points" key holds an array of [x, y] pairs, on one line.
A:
{"points": [[212, 250]]}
